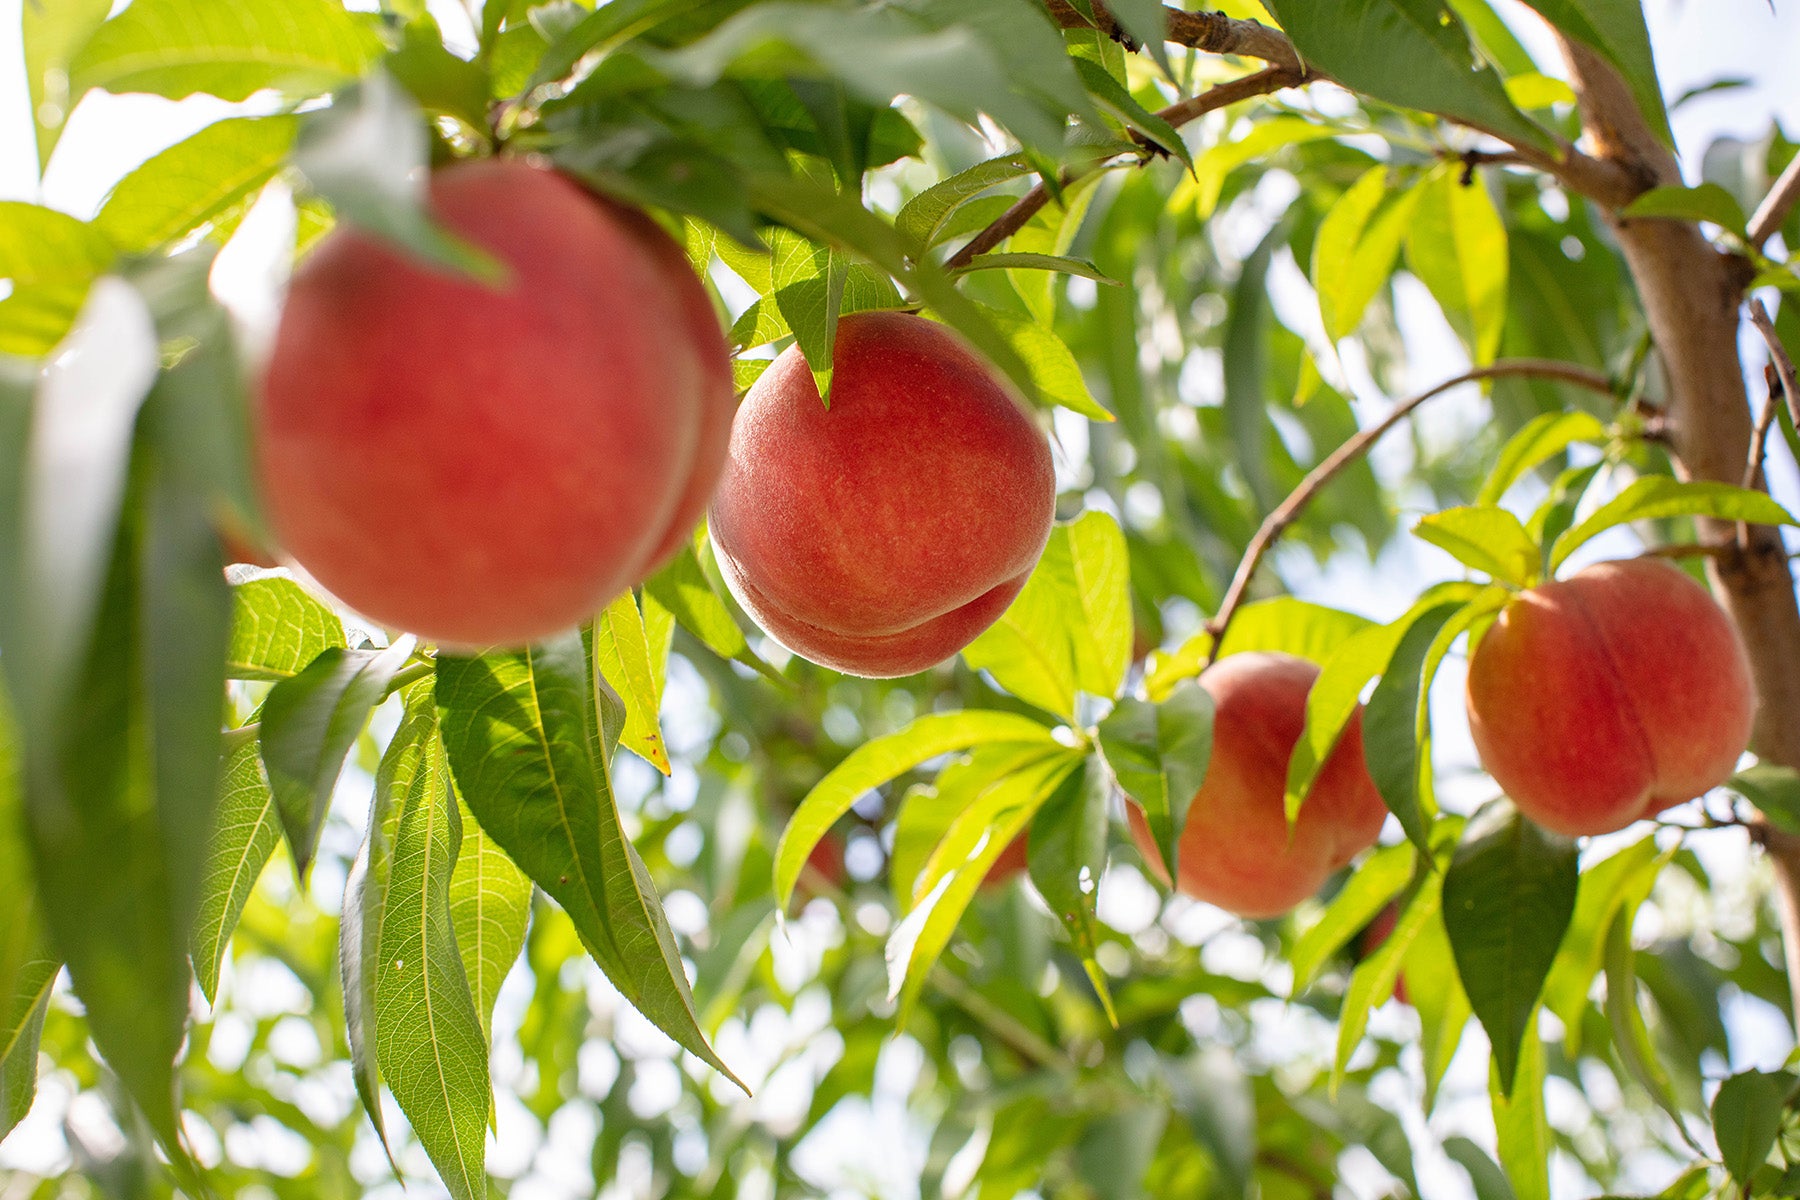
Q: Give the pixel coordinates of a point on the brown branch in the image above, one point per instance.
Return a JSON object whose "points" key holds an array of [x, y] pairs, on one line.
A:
{"points": [[1691, 295], [1685, 550], [1289, 510], [1273, 79], [1776, 206], [1782, 365], [1211, 32], [1759, 436]]}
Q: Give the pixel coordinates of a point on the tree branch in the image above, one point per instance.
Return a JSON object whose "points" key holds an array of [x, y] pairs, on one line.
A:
{"points": [[1691, 294], [1272, 79], [1776, 206], [1289, 510], [1778, 356], [1211, 32]]}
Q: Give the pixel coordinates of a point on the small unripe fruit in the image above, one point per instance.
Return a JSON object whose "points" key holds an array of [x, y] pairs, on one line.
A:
{"points": [[483, 464], [1236, 849], [1609, 696], [881, 535]]}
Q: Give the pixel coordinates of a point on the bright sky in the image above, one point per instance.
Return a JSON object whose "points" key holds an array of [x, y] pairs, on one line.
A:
{"points": [[1697, 42]]}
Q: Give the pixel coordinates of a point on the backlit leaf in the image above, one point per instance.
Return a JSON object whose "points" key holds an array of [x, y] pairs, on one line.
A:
{"points": [[1662, 496], [245, 834]]}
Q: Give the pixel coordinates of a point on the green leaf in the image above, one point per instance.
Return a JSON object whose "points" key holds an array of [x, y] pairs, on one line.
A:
{"points": [[1487, 538], [1436, 993], [1055, 374], [1356, 248], [365, 897], [277, 629], [1489, 1180], [1113, 97], [52, 35], [428, 1035], [1061, 264], [1509, 895], [1663, 496], [1159, 753], [490, 903], [625, 658], [1375, 976], [1264, 138], [683, 590], [1066, 855], [927, 812], [1706, 202], [1631, 1039], [20, 931], [1522, 1126], [1539, 440], [1069, 628], [809, 290], [975, 839], [525, 738], [1611, 889], [366, 156], [1406, 52], [1556, 513], [1381, 877], [925, 217], [51, 260], [875, 763], [1283, 624], [1456, 245], [175, 48], [1774, 789], [244, 836], [21, 1025], [196, 181], [1616, 29], [309, 723], [1747, 1114], [1395, 740]]}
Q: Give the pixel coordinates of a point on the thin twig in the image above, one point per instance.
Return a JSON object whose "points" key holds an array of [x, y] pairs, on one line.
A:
{"points": [[1778, 356], [1759, 436], [1775, 207], [1027, 206], [1289, 510], [1688, 550]]}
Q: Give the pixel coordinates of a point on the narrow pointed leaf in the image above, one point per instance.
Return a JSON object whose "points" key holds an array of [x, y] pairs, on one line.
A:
{"points": [[626, 659], [1456, 245], [1616, 885], [1631, 1038], [1662, 496], [1381, 877], [875, 763], [1539, 440], [21, 1025], [1374, 978], [196, 181], [245, 833], [1509, 895], [1747, 1115], [1521, 1123], [428, 1036], [1285, 624], [277, 629], [490, 904], [1618, 32], [927, 812], [1066, 855], [309, 723], [1159, 754], [924, 217], [525, 739], [1358, 243], [1393, 743], [1487, 538], [53, 35], [682, 589]]}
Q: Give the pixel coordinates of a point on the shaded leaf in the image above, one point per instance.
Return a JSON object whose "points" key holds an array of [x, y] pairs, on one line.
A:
{"points": [[1509, 895], [309, 723], [924, 217], [1159, 754], [1747, 1114], [1381, 877], [490, 902], [1705, 202], [1066, 855], [1539, 440], [1395, 740], [1611, 889], [1618, 32]]}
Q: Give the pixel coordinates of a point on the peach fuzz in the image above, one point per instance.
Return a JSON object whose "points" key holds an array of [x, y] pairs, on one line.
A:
{"points": [[1236, 849], [880, 536], [489, 464], [1609, 696]]}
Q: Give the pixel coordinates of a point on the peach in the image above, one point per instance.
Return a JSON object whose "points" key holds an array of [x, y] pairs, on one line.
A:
{"points": [[1609, 696], [488, 464], [1012, 862], [881, 535], [1236, 849]]}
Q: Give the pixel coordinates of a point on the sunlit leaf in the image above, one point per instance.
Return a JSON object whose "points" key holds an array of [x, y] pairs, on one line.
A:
{"points": [[1377, 881], [195, 181], [1487, 538], [1539, 440], [490, 901], [1615, 886], [1662, 496], [624, 656], [1284, 624], [277, 629], [1456, 245], [245, 834]]}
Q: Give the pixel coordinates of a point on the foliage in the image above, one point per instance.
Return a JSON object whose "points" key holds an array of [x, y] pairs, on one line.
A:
{"points": [[636, 954]]}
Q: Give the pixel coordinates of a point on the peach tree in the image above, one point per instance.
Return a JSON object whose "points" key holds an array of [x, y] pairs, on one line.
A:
{"points": [[298, 902]]}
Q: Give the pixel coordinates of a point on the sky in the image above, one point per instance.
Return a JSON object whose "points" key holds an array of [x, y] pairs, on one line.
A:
{"points": [[1696, 42]]}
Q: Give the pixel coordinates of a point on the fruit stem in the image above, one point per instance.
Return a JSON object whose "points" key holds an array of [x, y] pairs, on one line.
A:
{"points": [[1289, 510]]}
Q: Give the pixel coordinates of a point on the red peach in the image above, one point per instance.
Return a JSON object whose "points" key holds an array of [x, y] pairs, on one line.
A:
{"points": [[1236, 849], [1609, 696], [490, 464], [881, 535]]}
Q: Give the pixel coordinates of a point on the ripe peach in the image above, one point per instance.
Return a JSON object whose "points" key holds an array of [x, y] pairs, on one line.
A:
{"points": [[486, 464], [881, 535], [1236, 849], [1012, 862], [1609, 696], [1377, 932]]}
